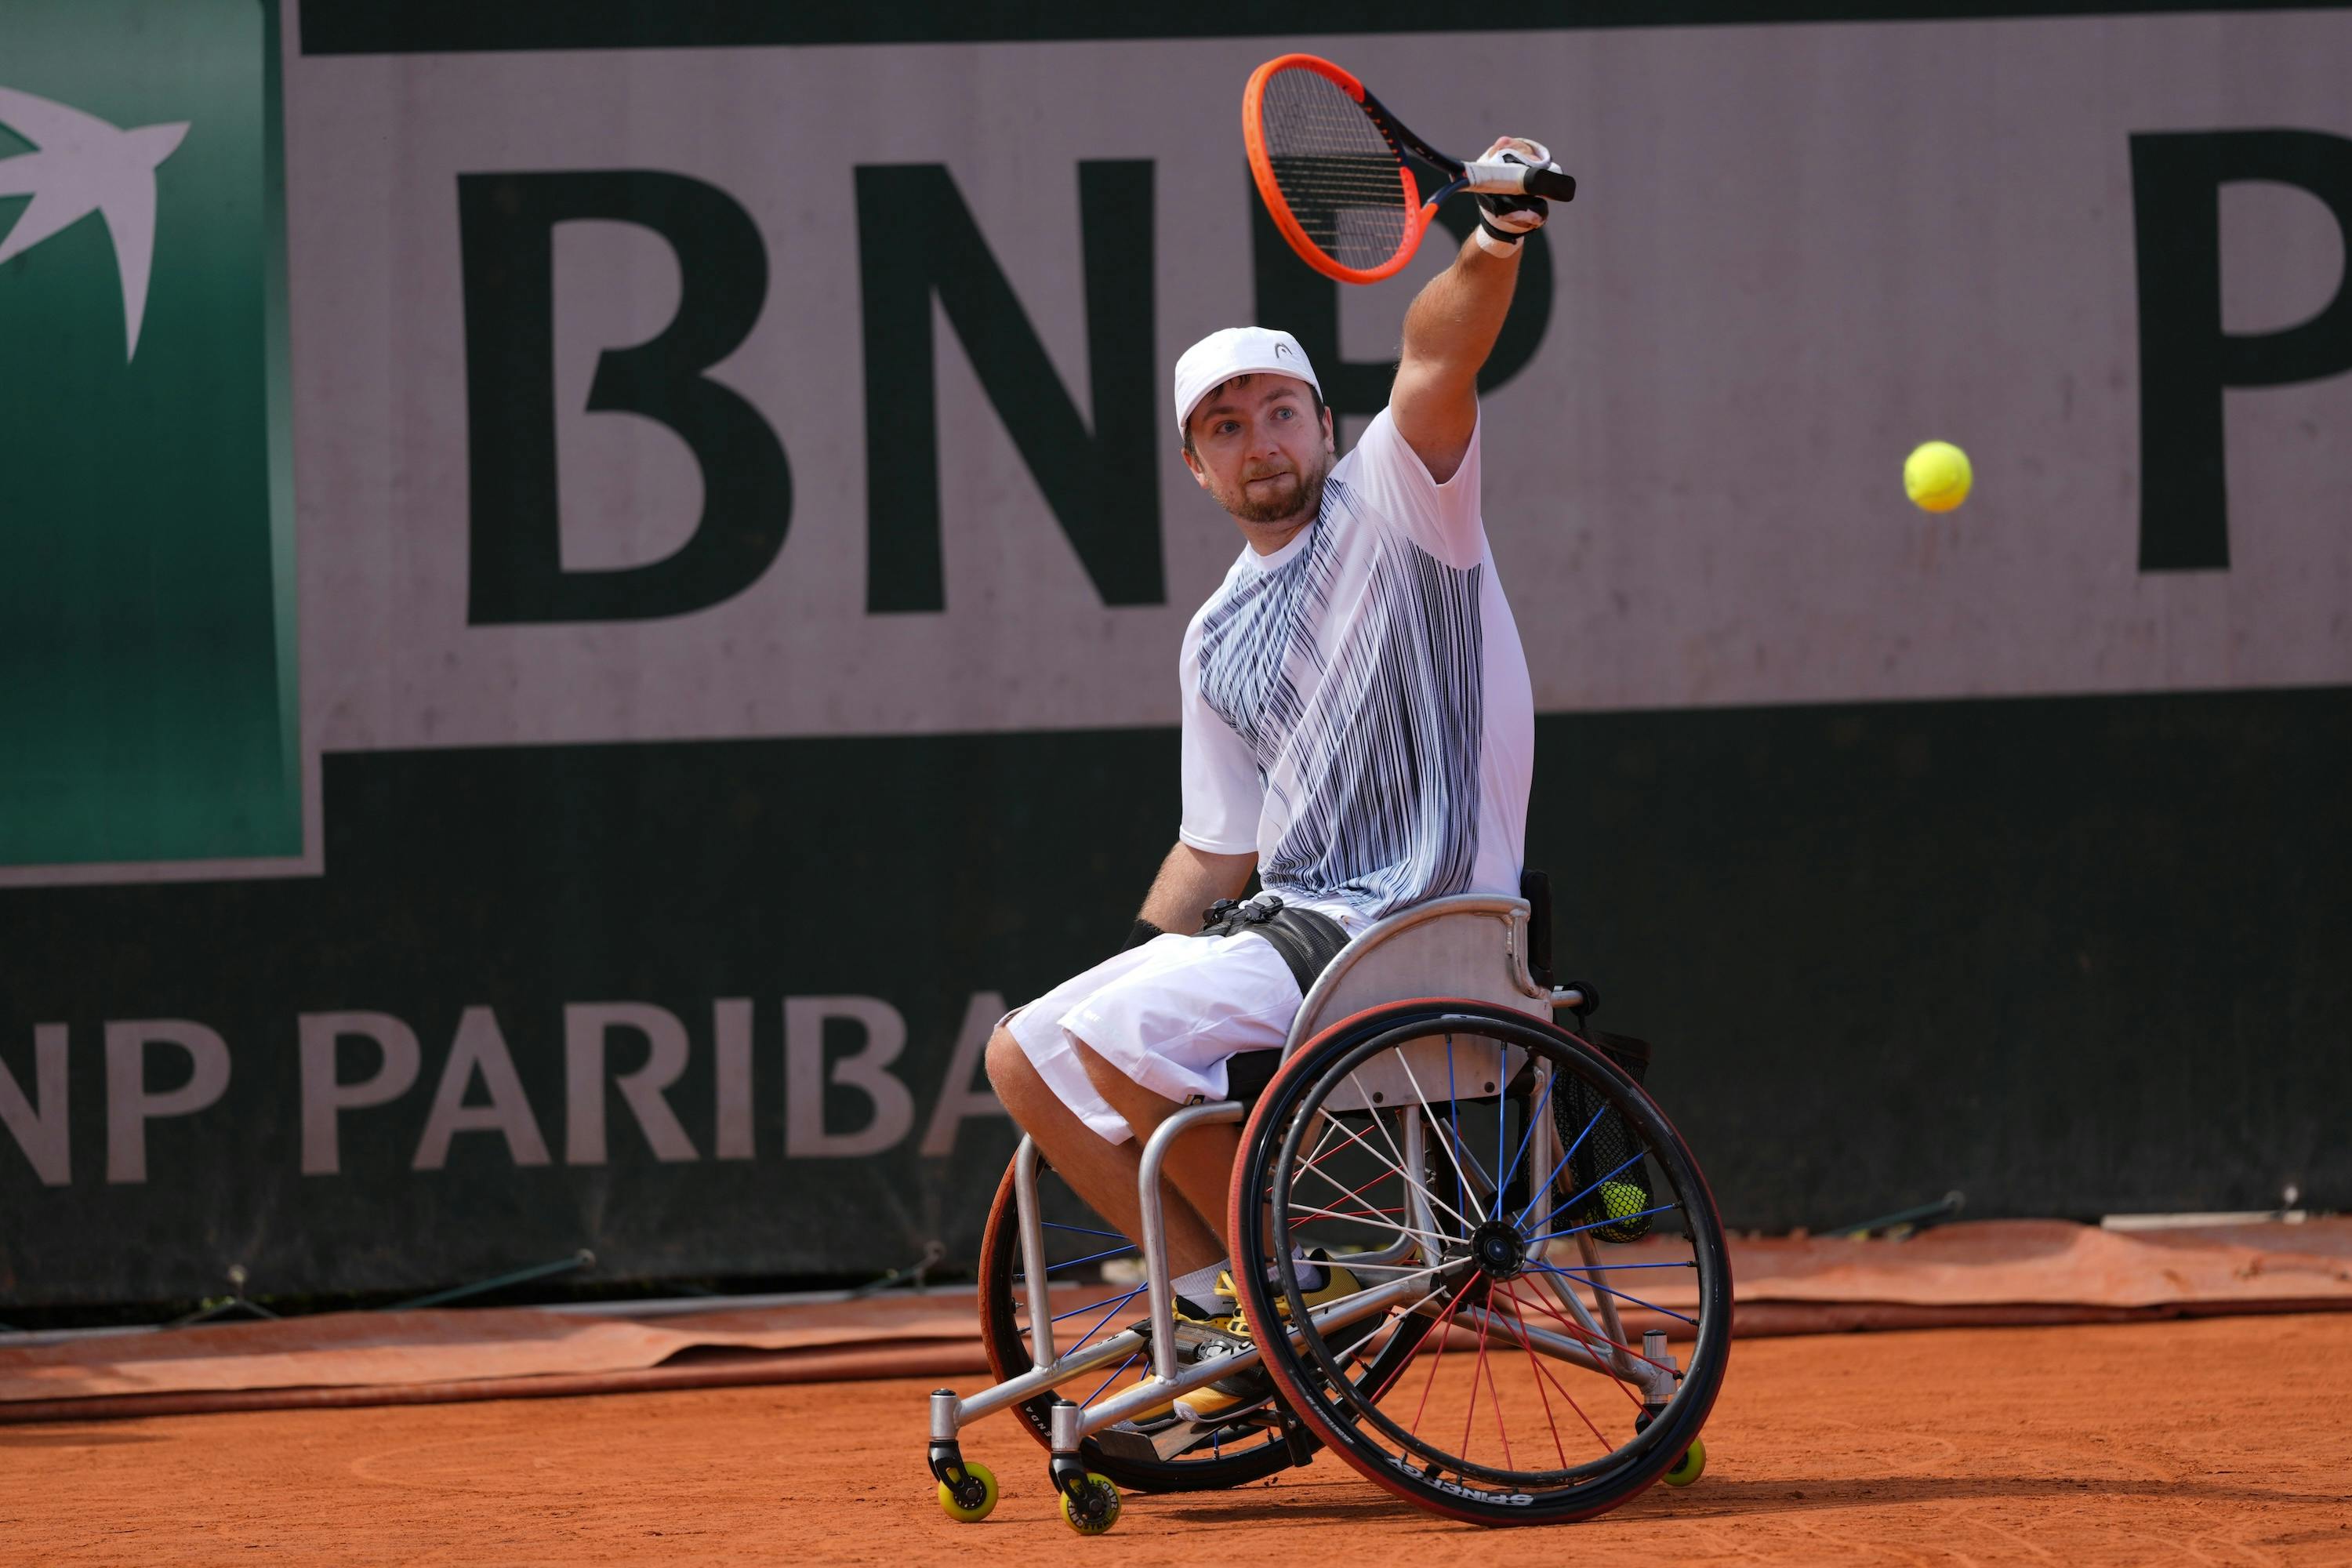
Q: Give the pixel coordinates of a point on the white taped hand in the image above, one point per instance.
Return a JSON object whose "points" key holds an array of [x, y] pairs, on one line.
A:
{"points": [[1508, 219]]}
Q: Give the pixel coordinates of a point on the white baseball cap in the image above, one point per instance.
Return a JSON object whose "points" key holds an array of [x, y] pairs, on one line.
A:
{"points": [[1236, 350]]}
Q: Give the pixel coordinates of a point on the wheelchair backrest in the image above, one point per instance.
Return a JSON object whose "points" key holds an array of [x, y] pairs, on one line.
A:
{"points": [[1472, 947]]}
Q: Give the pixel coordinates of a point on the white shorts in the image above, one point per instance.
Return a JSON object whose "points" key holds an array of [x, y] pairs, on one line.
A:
{"points": [[1167, 1015]]}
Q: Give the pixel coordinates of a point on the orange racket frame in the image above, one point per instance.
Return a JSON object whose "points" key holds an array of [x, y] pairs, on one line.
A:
{"points": [[1419, 213]]}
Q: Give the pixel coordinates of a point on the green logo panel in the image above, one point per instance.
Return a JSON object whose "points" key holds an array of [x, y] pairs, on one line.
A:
{"points": [[147, 658]]}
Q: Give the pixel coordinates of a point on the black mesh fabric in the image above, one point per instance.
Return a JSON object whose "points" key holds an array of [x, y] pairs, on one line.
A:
{"points": [[1608, 1144], [1342, 181]]}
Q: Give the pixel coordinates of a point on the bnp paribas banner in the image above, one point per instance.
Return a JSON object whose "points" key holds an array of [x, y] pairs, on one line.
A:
{"points": [[591, 592]]}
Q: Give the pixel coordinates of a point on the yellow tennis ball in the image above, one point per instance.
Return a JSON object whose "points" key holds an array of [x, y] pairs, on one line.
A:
{"points": [[1937, 476], [1622, 1199]]}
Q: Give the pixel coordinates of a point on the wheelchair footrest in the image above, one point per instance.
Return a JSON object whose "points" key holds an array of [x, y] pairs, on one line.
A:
{"points": [[1172, 1436], [1157, 1444]]}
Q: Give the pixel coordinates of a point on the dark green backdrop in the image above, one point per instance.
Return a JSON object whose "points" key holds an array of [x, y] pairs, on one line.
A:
{"points": [[2068, 956]]}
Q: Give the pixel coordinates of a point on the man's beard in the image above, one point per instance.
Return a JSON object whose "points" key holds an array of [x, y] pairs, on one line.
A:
{"points": [[1302, 498]]}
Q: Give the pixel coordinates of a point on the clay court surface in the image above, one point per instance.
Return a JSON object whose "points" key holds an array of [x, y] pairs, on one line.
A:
{"points": [[2221, 1440]]}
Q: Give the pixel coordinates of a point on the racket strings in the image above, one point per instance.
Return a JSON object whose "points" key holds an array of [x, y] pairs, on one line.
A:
{"points": [[1339, 176]]}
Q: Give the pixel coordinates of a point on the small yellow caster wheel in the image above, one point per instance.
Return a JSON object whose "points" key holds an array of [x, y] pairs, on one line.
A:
{"points": [[1686, 1470], [1095, 1508], [977, 1497]]}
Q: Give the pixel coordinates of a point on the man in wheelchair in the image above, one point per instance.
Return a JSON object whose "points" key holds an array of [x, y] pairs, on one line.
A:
{"points": [[1357, 731]]}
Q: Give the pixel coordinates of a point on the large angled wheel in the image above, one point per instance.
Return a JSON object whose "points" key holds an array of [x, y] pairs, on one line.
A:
{"points": [[1552, 1327]]}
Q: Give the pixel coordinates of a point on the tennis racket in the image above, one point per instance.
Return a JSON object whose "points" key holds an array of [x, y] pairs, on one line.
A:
{"points": [[1328, 160]]}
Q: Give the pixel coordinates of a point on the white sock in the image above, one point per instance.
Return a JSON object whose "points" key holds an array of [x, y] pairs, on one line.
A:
{"points": [[1311, 1275], [1201, 1285]]}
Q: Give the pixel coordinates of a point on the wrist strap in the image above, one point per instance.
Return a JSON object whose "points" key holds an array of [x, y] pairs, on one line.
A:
{"points": [[1494, 242], [1139, 933]]}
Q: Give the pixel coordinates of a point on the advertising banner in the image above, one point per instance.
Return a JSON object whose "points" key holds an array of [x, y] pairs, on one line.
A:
{"points": [[569, 677]]}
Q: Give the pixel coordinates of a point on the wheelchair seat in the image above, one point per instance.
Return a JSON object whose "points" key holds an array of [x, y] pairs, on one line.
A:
{"points": [[1248, 1072], [1477, 947]]}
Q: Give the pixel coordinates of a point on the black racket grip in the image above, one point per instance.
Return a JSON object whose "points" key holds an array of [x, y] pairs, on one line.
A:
{"points": [[1551, 184]]}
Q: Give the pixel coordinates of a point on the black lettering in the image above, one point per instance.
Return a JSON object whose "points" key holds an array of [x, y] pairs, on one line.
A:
{"points": [[916, 237], [507, 224], [2185, 358]]}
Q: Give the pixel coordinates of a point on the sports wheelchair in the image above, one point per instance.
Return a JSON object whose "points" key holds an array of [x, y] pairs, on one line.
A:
{"points": [[1526, 1244]]}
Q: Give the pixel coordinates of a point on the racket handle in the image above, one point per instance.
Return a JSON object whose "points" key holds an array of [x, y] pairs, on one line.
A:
{"points": [[1551, 184], [1497, 177]]}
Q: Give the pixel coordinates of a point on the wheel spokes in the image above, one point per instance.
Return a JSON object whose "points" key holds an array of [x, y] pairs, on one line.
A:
{"points": [[1487, 1249], [1451, 1144]]}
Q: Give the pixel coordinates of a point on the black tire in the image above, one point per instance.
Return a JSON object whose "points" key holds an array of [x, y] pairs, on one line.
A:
{"points": [[1503, 1226]]}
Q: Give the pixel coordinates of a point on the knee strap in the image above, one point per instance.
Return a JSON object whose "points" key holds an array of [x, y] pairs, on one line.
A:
{"points": [[1308, 940]]}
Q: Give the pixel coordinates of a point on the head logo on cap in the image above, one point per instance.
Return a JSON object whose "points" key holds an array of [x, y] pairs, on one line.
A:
{"points": [[1236, 350]]}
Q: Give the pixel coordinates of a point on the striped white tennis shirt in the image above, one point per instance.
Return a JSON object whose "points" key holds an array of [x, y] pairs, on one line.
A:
{"points": [[1356, 707]]}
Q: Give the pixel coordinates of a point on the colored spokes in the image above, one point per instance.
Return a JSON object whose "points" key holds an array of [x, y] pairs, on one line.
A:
{"points": [[1486, 1320]]}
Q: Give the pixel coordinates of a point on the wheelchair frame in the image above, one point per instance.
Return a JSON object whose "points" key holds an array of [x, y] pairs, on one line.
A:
{"points": [[1452, 936]]}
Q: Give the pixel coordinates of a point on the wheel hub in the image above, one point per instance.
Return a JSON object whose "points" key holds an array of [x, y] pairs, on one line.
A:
{"points": [[1499, 1251]]}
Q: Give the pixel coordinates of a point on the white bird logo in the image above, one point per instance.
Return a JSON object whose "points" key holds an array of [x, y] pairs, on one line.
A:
{"points": [[84, 165]]}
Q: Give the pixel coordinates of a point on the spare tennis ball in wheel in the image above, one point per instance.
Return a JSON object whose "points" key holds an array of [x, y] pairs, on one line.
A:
{"points": [[1937, 476], [1622, 1199]]}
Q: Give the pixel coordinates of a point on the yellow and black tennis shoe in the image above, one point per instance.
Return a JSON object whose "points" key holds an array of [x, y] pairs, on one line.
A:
{"points": [[1199, 1332], [1228, 1395]]}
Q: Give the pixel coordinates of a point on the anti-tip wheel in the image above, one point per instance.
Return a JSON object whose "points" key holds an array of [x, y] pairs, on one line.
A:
{"points": [[1094, 1510], [964, 1512], [1686, 1469]]}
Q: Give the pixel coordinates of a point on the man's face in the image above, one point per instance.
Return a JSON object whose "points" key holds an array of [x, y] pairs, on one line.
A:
{"points": [[1259, 449]]}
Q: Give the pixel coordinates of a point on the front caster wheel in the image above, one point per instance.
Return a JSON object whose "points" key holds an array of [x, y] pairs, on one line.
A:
{"points": [[972, 1500], [1686, 1469], [1091, 1506]]}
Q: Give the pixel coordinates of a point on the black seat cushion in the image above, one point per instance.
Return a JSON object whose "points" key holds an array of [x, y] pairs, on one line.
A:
{"points": [[1248, 1072]]}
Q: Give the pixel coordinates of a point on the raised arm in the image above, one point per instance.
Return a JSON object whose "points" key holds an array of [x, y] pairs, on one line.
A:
{"points": [[1450, 331]]}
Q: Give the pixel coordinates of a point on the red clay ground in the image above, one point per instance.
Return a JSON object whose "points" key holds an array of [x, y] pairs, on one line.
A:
{"points": [[2215, 1441]]}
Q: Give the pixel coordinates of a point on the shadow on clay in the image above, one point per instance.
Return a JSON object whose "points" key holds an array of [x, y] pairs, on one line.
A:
{"points": [[1725, 1496], [1273, 1505]]}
